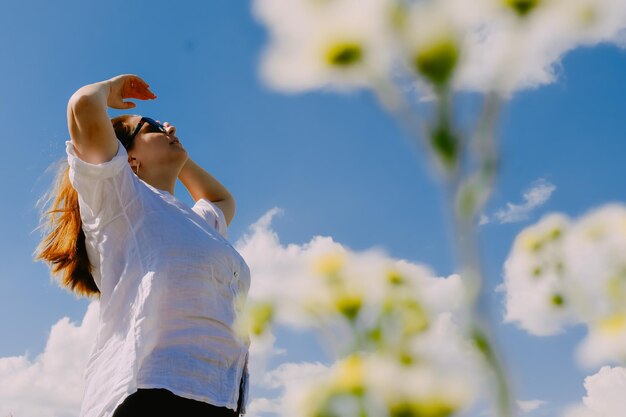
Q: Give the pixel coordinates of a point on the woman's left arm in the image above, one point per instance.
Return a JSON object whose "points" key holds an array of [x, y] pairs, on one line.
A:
{"points": [[201, 184]]}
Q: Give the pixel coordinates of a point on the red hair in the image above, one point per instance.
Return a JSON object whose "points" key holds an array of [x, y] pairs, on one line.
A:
{"points": [[63, 246]]}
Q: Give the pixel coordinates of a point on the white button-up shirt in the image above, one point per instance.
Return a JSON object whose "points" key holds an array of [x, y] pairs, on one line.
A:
{"points": [[169, 282]]}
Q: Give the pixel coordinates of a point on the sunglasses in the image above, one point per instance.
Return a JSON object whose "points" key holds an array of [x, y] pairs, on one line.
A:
{"points": [[158, 127]]}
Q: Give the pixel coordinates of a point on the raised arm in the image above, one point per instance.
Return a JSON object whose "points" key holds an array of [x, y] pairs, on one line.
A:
{"points": [[88, 122], [201, 184]]}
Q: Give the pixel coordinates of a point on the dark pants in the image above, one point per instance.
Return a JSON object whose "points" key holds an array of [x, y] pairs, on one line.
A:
{"points": [[157, 402]]}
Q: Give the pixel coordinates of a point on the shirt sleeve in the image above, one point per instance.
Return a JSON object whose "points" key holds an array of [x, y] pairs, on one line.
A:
{"points": [[105, 189], [212, 214]]}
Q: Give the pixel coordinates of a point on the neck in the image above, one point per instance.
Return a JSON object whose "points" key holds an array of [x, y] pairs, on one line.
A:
{"points": [[169, 187], [162, 182]]}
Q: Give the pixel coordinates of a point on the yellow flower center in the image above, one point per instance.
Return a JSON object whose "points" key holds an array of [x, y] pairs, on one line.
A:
{"points": [[350, 375], [349, 304], [530, 241], [260, 316], [344, 54], [329, 264], [438, 61], [613, 324], [522, 7], [432, 407]]}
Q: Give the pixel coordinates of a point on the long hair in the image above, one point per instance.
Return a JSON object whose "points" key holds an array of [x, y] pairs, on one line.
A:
{"points": [[63, 245]]}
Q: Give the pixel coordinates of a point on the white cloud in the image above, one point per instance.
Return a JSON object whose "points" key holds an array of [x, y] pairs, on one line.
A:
{"points": [[605, 395], [292, 378], [528, 406], [524, 407], [262, 349], [258, 407], [50, 385], [286, 372], [533, 198]]}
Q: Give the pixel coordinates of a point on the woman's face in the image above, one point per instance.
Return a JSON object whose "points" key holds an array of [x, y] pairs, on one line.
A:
{"points": [[153, 148]]}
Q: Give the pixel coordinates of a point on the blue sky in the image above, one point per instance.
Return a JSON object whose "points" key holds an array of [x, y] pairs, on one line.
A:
{"points": [[336, 164]]}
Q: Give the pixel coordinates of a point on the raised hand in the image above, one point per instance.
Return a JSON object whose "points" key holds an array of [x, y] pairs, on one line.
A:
{"points": [[127, 86]]}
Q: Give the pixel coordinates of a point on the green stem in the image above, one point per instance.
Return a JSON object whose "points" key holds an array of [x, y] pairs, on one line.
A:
{"points": [[467, 245], [464, 238], [362, 408]]}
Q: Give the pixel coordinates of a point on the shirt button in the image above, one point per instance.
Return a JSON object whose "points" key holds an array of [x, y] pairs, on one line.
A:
{"points": [[236, 273]]}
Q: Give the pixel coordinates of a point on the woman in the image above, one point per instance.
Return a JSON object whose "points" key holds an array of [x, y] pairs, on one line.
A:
{"points": [[170, 284]]}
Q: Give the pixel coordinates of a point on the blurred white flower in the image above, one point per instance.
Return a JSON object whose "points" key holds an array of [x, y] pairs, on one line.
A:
{"points": [[605, 342], [384, 386], [596, 256], [481, 45], [596, 261], [431, 40], [550, 29], [388, 300], [561, 273], [420, 388], [581, 21], [404, 333], [534, 279], [338, 44]]}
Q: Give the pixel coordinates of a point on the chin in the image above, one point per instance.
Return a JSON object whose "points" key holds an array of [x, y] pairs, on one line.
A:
{"points": [[180, 150]]}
